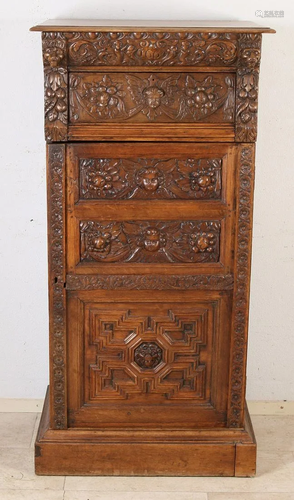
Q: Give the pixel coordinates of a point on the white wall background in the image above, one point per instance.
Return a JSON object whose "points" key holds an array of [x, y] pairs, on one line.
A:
{"points": [[23, 260]]}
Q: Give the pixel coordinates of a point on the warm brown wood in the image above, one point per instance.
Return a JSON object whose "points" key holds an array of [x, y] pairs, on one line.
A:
{"points": [[119, 452], [151, 141], [148, 364], [86, 25], [145, 97]]}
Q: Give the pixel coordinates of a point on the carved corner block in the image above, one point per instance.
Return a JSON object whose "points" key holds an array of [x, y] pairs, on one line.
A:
{"points": [[247, 87], [55, 86]]}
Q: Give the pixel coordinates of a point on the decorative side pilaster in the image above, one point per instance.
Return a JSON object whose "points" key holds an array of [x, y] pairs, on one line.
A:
{"points": [[55, 83], [245, 186], [249, 52], [57, 293]]}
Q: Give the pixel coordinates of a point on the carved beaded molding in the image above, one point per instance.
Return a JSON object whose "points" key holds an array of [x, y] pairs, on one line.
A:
{"points": [[149, 282], [241, 287], [57, 291]]}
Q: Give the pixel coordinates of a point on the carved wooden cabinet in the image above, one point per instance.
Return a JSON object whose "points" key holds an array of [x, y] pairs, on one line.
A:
{"points": [[150, 132]]}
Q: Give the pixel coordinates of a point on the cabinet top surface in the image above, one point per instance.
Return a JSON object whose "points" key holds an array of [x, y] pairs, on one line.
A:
{"points": [[68, 25]]}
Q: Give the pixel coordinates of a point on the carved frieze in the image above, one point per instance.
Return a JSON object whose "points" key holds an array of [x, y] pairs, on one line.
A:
{"points": [[152, 49], [149, 282], [139, 178], [163, 97], [144, 241]]}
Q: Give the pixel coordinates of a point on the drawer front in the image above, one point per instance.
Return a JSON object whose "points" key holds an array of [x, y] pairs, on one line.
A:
{"points": [[137, 207], [144, 356], [150, 241], [151, 97], [143, 171]]}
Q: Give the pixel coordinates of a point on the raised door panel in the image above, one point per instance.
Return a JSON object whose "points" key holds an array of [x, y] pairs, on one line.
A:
{"points": [[135, 359]]}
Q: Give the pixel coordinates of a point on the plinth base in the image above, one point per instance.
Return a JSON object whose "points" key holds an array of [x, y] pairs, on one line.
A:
{"points": [[206, 452]]}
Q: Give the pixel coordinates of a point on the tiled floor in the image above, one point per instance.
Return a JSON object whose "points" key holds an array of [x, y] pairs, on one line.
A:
{"points": [[274, 481]]}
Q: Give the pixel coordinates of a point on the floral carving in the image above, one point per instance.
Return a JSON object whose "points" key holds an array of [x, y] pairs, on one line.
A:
{"points": [[202, 242], [146, 179], [149, 282], [142, 241], [102, 178], [197, 241], [102, 99], [160, 97], [103, 241], [57, 290], [202, 98], [200, 178], [241, 287], [247, 87], [152, 49], [148, 355], [55, 83]]}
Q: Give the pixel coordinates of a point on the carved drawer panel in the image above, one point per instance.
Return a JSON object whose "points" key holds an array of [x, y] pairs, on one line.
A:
{"points": [[153, 245], [138, 178], [149, 172], [151, 97], [151, 353], [150, 241]]}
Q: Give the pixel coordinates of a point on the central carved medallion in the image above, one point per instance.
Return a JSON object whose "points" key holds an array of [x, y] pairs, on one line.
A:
{"points": [[148, 355], [153, 239]]}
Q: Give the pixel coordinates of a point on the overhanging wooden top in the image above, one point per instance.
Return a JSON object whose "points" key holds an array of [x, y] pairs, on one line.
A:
{"points": [[86, 25]]}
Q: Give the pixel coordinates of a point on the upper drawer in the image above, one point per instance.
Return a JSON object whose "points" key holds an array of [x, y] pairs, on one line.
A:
{"points": [[151, 86], [151, 97]]}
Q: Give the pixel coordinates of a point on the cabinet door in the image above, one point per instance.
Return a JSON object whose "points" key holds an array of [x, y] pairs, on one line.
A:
{"points": [[150, 359]]}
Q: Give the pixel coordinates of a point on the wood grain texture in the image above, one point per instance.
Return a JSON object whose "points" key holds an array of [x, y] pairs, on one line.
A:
{"points": [[86, 25], [190, 453]]}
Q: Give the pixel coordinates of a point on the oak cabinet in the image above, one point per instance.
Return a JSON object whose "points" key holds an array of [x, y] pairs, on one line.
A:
{"points": [[150, 134]]}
